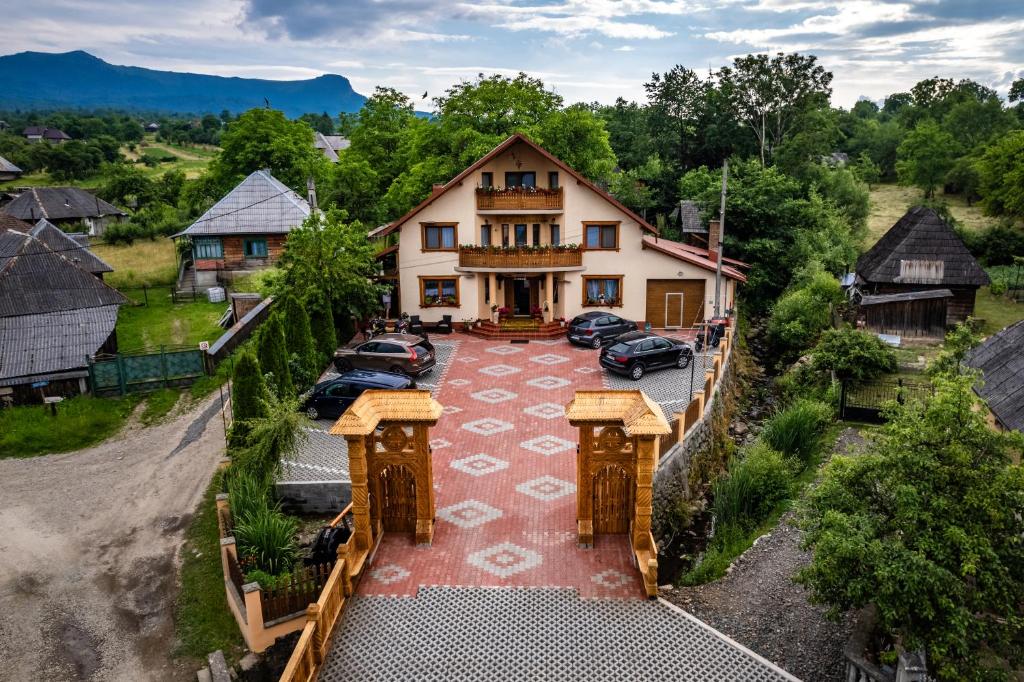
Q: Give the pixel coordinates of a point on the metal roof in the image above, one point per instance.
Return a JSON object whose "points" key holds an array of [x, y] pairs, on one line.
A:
{"points": [[71, 248], [59, 203], [32, 345], [260, 204], [8, 167], [1001, 361]]}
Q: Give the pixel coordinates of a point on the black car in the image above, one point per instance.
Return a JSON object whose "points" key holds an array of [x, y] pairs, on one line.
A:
{"points": [[636, 353], [596, 328], [332, 397]]}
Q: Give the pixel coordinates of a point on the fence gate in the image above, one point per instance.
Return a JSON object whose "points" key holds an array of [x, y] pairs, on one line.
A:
{"points": [[613, 500], [397, 498]]}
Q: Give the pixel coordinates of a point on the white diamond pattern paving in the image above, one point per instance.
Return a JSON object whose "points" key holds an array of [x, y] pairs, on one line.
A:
{"points": [[451, 633]]}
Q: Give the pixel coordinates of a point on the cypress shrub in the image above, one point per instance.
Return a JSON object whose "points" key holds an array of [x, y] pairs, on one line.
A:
{"points": [[248, 396], [299, 342], [273, 356], [321, 323]]}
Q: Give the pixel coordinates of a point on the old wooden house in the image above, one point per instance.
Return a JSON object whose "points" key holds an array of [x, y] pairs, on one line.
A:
{"points": [[919, 278]]}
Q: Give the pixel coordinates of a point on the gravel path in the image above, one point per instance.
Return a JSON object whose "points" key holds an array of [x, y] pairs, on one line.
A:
{"points": [[89, 552], [760, 606]]}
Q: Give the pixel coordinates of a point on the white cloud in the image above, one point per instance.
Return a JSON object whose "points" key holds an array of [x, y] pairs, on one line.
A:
{"points": [[625, 48]]}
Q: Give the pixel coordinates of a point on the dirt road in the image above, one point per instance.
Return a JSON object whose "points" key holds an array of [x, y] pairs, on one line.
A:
{"points": [[89, 546]]}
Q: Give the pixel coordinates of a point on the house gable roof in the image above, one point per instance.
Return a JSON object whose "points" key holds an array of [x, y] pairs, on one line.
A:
{"points": [[1002, 366], [37, 346], [59, 203], [46, 133], [696, 256], [9, 222], [509, 142], [8, 167], [321, 143], [260, 204], [35, 279], [61, 242], [921, 236]]}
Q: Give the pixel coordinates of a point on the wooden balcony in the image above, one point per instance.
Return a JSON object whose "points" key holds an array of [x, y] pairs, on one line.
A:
{"points": [[520, 257], [518, 199]]}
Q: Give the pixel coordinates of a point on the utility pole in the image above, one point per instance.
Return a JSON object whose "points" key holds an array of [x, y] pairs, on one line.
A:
{"points": [[718, 246]]}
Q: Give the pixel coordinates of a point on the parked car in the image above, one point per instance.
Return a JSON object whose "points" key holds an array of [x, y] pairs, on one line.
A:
{"points": [[596, 328], [636, 353], [329, 399], [399, 353]]}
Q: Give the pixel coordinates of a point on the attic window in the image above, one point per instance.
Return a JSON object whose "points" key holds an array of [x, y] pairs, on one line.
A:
{"points": [[922, 271]]}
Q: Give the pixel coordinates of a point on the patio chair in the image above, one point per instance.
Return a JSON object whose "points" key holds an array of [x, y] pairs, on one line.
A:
{"points": [[415, 325], [445, 325]]}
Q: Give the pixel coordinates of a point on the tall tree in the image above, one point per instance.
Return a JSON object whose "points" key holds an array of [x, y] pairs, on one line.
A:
{"points": [[925, 157], [676, 103], [772, 94], [382, 124], [304, 365], [248, 396], [321, 324], [273, 355], [1001, 176]]}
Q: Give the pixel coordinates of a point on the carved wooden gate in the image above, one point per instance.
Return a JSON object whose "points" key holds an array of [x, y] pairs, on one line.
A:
{"points": [[398, 498], [613, 500]]}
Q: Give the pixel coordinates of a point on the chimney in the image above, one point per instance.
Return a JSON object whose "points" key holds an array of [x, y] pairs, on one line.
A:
{"points": [[714, 239], [436, 189], [311, 193]]}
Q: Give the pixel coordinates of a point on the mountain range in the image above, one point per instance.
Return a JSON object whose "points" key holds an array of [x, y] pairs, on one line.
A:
{"points": [[78, 80]]}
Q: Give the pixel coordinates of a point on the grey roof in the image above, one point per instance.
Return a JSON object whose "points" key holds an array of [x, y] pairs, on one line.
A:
{"points": [[8, 167], [260, 204], [9, 222], [34, 345], [71, 248], [321, 142], [905, 296], [46, 133], [1001, 361], [689, 218], [35, 279], [59, 203], [921, 236]]}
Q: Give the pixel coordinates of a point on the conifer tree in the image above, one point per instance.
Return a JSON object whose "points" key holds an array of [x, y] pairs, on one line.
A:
{"points": [[248, 396], [321, 323], [273, 356], [299, 342]]}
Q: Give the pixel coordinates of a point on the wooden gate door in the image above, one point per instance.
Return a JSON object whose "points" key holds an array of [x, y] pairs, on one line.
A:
{"points": [[398, 498], [613, 500]]}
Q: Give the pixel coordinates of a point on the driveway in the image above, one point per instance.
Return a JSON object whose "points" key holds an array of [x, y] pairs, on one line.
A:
{"points": [[89, 551]]}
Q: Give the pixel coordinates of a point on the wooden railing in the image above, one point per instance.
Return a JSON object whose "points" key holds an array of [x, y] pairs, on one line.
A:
{"points": [[518, 199], [520, 257], [298, 592]]}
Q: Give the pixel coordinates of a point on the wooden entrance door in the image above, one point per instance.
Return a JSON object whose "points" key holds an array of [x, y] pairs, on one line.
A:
{"points": [[397, 498], [613, 500]]}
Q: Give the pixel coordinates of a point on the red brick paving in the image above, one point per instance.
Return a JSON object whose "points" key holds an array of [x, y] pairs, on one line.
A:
{"points": [[544, 530]]}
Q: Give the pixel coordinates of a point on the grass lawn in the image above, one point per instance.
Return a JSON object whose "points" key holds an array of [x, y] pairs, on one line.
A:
{"points": [[890, 202], [997, 311], [158, 405], [82, 421], [163, 323], [146, 262], [202, 620]]}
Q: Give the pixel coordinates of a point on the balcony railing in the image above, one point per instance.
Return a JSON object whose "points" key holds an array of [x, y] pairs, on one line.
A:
{"points": [[520, 257], [518, 199]]}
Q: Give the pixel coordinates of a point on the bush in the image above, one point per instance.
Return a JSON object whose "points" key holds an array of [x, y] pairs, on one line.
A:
{"points": [[853, 355], [266, 580], [122, 233], [758, 479], [267, 539], [797, 430], [999, 286], [802, 314]]}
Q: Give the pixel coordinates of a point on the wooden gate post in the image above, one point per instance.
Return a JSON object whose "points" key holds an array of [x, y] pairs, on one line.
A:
{"points": [[584, 499], [360, 491], [424, 486]]}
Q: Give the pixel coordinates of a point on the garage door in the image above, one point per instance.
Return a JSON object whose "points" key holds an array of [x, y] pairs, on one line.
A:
{"points": [[667, 308]]}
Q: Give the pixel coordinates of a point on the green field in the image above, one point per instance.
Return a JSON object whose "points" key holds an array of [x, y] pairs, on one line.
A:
{"points": [[144, 263], [82, 421], [890, 202], [162, 322]]}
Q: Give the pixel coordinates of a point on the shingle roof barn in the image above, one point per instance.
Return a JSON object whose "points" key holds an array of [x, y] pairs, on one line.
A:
{"points": [[45, 133], [1001, 361], [260, 204], [61, 242], [34, 279], [921, 248], [59, 203]]}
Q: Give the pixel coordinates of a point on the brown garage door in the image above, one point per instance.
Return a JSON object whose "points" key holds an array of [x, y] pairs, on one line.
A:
{"points": [[664, 311]]}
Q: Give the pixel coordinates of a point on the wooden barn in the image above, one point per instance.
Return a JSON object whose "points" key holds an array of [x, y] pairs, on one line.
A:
{"points": [[919, 278]]}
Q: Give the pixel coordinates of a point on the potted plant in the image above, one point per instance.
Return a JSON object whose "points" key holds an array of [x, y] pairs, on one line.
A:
{"points": [[536, 312], [494, 312], [503, 312], [449, 300], [561, 321]]}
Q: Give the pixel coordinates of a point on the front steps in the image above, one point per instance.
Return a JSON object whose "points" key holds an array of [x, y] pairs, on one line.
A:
{"points": [[517, 329]]}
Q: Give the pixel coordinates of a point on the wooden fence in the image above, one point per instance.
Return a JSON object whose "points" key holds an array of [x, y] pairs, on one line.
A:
{"points": [[302, 589]]}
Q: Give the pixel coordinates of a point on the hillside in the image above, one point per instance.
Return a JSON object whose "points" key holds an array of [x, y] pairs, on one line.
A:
{"points": [[37, 80]]}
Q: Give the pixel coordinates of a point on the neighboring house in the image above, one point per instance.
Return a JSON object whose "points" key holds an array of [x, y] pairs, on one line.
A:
{"points": [[74, 247], [8, 222], [43, 134], [53, 315], [520, 229], [919, 278], [8, 171], [245, 230], [1001, 361], [330, 145], [152, 127], [66, 207]]}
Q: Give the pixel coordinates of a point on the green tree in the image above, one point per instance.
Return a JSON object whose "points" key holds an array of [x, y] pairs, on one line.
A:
{"points": [[264, 138], [353, 185], [853, 355], [321, 323], [273, 355], [248, 396], [676, 102], [925, 157], [1001, 176], [927, 525], [386, 117], [802, 314], [304, 365], [867, 170], [496, 105], [126, 185], [577, 136]]}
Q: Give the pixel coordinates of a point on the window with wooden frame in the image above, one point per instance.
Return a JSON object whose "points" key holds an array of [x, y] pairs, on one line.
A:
{"points": [[440, 292], [556, 234], [552, 179], [521, 234], [601, 290], [487, 179], [207, 247], [255, 248], [485, 235], [536, 234], [439, 237], [601, 235]]}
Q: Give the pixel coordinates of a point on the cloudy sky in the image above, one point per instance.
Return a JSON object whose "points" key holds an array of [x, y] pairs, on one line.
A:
{"points": [[586, 49]]}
